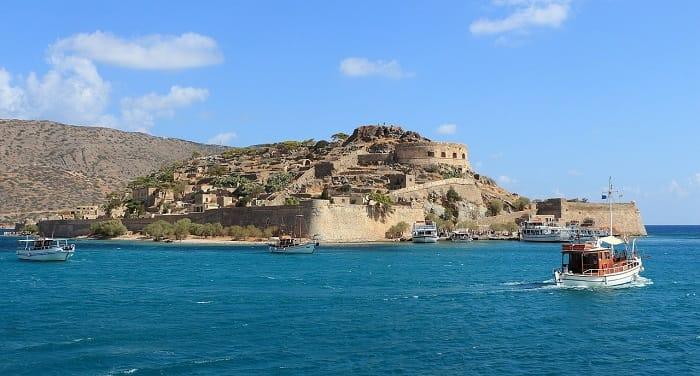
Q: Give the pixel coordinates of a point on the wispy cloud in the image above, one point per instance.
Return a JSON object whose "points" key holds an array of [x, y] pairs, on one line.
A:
{"points": [[676, 189], [574, 172], [696, 177], [140, 113], [222, 138], [504, 179], [188, 50], [447, 129], [523, 15], [363, 67]]}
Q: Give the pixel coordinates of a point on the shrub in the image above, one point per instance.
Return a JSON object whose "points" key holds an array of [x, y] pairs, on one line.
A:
{"points": [[253, 231], [291, 201], [494, 207], [108, 229], [270, 231], [236, 232], [470, 225], [279, 181], [397, 230], [510, 227]]}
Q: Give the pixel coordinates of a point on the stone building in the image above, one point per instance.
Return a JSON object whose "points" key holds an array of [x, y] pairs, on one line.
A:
{"points": [[432, 153]]}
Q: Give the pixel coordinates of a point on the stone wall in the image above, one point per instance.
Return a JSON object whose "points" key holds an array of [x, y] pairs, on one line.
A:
{"points": [[358, 223], [626, 216], [332, 222], [432, 153], [466, 188]]}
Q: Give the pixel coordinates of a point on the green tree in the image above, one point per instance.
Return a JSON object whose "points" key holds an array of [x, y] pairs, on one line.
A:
{"points": [[181, 229], [113, 201], [340, 136], [397, 230], [494, 207], [453, 196], [521, 203], [31, 228], [108, 229], [382, 202], [159, 230]]}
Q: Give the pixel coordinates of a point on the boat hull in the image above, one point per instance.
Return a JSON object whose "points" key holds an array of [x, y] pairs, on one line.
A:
{"points": [[295, 249], [424, 239], [57, 254], [609, 280]]}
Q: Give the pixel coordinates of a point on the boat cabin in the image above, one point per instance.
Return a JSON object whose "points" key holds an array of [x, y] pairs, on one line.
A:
{"points": [[593, 259], [39, 244]]}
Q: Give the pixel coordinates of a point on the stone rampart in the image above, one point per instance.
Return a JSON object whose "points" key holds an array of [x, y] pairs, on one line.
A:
{"points": [[626, 216], [332, 222], [466, 188], [432, 153]]}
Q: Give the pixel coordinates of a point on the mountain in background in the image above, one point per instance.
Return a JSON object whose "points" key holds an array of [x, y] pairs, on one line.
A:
{"points": [[48, 166]]}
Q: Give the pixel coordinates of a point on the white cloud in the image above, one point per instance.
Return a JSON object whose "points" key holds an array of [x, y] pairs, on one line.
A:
{"points": [[73, 91], [697, 177], [447, 129], [188, 50], [677, 189], [503, 179], [558, 193], [363, 67], [140, 113], [525, 14], [222, 138], [574, 172]]}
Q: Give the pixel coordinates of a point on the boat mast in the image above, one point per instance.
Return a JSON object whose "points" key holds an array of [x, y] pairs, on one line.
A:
{"points": [[610, 203]]}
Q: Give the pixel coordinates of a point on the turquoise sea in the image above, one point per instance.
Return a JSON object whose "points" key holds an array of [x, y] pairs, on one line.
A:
{"points": [[449, 309]]}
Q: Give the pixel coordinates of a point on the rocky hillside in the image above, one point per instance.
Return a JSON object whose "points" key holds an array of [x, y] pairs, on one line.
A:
{"points": [[50, 166]]}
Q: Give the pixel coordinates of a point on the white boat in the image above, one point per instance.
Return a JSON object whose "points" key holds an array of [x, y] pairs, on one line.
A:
{"points": [[289, 245], [540, 232], [598, 263], [461, 236], [44, 249], [424, 232]]}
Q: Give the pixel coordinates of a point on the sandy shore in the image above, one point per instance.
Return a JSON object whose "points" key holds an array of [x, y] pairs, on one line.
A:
{"points": [[189, 240]]}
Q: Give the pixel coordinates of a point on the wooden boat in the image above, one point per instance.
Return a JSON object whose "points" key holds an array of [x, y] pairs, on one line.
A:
{"points": [[598, 263], [461, 236], [289, 244]]}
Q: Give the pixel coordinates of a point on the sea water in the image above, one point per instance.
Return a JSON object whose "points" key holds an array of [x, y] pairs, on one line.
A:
{"points": [[491, 307]]}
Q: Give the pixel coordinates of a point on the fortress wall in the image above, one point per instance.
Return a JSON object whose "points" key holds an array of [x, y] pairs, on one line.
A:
{"points": [[466, 188], [431, 153], [506, 217], [357, 223], [626, 216], [333, 222]]}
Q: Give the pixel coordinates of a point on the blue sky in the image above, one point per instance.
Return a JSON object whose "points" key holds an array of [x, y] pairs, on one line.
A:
{"points": [[551, 96]]}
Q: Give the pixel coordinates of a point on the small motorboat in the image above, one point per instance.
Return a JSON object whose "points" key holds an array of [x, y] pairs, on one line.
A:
{"points": [[44, 249], [461, 236]]}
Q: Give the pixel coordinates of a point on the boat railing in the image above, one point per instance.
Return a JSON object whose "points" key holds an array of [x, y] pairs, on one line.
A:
{"points": [[611, 270]]}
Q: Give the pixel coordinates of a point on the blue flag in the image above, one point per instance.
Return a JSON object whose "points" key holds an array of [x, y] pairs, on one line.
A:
{"points": [[605, 197]]}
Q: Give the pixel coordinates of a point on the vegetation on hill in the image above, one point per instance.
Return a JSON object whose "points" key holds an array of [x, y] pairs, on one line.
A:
{"points": [[108, 229]]}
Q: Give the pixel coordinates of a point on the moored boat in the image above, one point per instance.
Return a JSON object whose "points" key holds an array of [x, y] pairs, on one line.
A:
{"points": [[44, 249], [461, 236], [424, 232], [287, 244]]}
